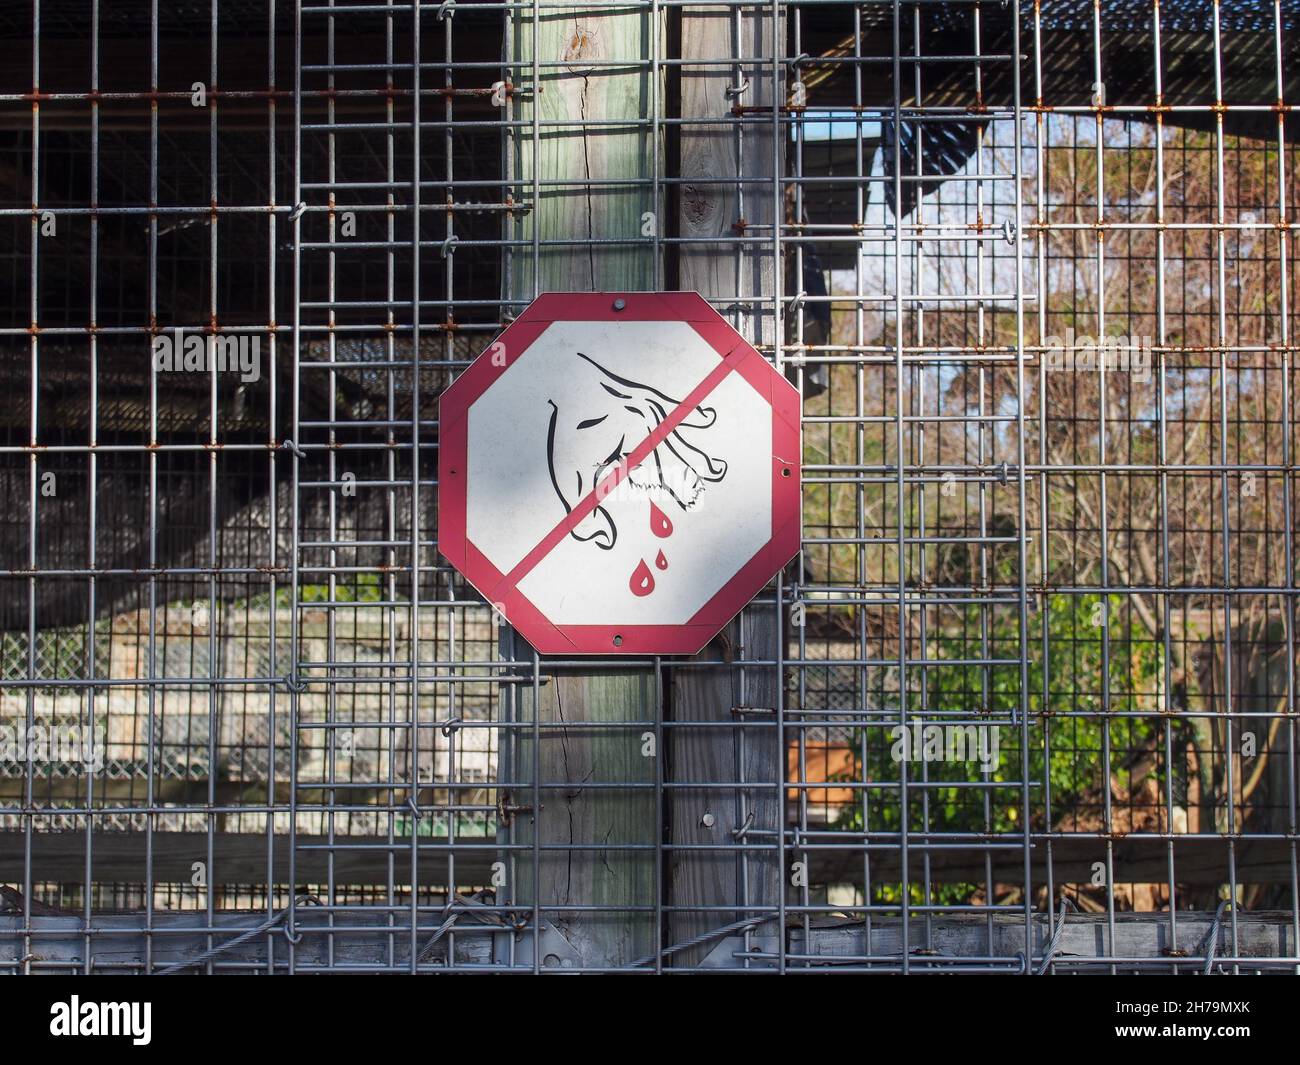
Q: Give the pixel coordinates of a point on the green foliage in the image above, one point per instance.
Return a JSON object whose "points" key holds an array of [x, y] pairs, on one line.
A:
{"points": [[361, 588], [1064, 680], [350, 588]]}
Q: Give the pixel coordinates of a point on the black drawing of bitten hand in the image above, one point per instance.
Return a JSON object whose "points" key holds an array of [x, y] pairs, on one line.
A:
{"points": [[582, 445]]}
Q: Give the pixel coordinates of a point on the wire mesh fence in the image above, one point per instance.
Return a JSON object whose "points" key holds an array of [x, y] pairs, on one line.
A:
{"points": [[1025, 700]]}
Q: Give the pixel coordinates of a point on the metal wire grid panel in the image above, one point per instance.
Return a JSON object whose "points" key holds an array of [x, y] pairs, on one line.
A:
{"points": [[1038, 645]]}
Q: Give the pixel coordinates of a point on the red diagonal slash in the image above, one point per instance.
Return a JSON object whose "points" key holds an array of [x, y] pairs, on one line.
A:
{"points": [[612, 480]]}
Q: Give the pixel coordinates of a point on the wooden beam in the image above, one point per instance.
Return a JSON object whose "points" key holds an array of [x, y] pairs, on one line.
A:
{"points": [[357, 941], [587, 207], [589, 750], [375, 941], [1085, 943], [1197, 862], [241, 858], [743, 746]]}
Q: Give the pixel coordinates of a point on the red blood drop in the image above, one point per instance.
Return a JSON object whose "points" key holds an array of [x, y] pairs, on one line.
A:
{"points": [[643, 581], [659, 523], [661, 560]]}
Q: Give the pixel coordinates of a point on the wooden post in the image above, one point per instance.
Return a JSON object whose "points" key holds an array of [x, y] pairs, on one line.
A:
{"points": [[744, 745], [580, 752]]}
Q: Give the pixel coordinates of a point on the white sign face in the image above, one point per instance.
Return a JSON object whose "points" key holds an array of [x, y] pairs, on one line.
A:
{"points": [[664, 539], [619, 474]]}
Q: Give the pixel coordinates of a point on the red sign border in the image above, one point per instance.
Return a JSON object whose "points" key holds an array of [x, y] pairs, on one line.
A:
{"points": [[750, 579]]}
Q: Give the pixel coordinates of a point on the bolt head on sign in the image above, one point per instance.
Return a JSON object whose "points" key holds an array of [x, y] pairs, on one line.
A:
{"points": [[619, 473]]}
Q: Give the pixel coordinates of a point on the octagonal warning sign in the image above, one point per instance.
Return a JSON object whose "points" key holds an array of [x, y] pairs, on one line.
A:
{"points": [[619, 473]]}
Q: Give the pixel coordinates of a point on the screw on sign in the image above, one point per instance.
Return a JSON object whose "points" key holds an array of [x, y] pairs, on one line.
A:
{"points": [[619, 473]]}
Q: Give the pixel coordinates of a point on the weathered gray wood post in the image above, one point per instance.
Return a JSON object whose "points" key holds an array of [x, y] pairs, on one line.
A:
{"points": [[589, 721], [717, 144]]}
